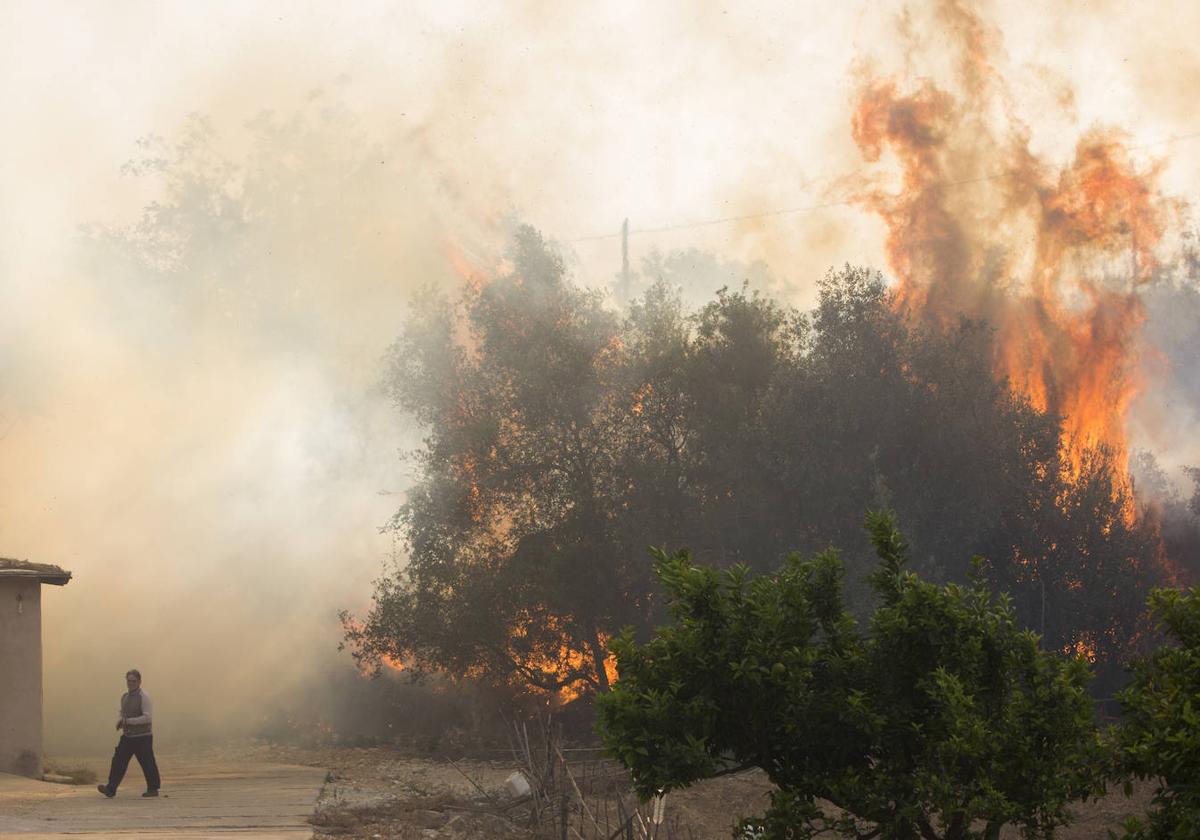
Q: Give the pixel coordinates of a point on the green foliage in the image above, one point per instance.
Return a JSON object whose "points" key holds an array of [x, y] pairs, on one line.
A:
{"points": [[944, 720], [1159, 733]]}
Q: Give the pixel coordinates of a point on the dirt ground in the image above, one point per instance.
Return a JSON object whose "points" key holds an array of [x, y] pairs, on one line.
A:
{"points": [[380, 793], [377, 793], [202, 799]]}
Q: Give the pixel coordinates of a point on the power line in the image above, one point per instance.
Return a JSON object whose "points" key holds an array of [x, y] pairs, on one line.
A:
{"points": [[627, 232], [708, 222]]}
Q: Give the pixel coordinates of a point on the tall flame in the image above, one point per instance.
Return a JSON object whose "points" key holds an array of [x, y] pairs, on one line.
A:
{"points": [[982, 228]]}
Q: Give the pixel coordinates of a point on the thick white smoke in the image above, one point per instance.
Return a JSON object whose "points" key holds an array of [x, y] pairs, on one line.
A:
{"points": [[190, 416]]}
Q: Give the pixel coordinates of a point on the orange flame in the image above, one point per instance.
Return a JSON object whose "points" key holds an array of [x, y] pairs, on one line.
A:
{"points": [[365, 669], [1083, 647], [566, 666], [980, 227]]}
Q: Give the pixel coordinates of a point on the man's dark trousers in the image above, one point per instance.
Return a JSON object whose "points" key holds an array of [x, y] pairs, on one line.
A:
{"points": [[143, 747]]}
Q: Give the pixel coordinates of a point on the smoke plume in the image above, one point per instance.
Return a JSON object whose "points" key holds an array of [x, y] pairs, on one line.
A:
{"points": [[190, 413]]}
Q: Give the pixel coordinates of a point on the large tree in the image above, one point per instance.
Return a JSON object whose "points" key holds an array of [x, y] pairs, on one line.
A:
{"points": [[514, 570]]}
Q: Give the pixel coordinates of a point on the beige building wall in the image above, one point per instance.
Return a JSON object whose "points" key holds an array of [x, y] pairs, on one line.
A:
{"points": [[21, 676]]}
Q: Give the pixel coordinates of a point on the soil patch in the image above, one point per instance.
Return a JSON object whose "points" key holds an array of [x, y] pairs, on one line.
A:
{"points": [[378, 793]]}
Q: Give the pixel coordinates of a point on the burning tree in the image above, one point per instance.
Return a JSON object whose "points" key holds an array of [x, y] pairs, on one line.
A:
{"points": [[944, 716], [515, 574], [1055, 258], [879, 410], [563, 439]]}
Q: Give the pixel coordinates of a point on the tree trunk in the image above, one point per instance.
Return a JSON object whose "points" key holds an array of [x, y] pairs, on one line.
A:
{"points": [[599, 657]]}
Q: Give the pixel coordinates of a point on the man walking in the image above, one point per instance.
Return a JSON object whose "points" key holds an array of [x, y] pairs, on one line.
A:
{"points": [[136, 739]]}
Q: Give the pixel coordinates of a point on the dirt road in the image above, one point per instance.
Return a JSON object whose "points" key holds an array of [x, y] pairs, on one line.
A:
{"points": [[250, 801]]}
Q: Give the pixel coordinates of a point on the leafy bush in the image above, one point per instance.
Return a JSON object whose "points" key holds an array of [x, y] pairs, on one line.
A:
{"points": [[1159, 733], [945, 720]]}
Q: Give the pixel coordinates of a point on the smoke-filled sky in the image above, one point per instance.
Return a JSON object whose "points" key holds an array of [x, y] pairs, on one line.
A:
{"points": [[190, 415]]}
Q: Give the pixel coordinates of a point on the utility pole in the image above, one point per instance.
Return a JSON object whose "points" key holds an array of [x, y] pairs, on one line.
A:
{"points": [[626, 282]]}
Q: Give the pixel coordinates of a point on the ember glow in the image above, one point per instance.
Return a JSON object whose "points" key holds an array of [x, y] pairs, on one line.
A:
{"points": [[982, 228]]}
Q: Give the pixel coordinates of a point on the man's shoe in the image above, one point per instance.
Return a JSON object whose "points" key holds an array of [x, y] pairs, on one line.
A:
{"points": [[104, 789], [151, 792]]}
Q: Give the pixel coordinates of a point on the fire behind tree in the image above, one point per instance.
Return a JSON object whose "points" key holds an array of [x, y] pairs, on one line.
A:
{"points": [[564, 438], [983, 398], [1051, 256]]}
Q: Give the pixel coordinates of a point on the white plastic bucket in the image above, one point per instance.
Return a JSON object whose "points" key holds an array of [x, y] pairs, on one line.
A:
{"points": [[517, 785]]}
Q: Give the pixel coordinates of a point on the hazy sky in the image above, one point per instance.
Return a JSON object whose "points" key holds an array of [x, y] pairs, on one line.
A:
{"points": [[209, 462]]}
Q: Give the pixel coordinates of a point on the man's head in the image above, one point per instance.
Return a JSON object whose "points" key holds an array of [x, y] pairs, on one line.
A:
{"points": [[133, 679]]}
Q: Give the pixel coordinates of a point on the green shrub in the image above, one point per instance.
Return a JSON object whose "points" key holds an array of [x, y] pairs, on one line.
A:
{"points": [[945, 720], [1159, 732]]}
